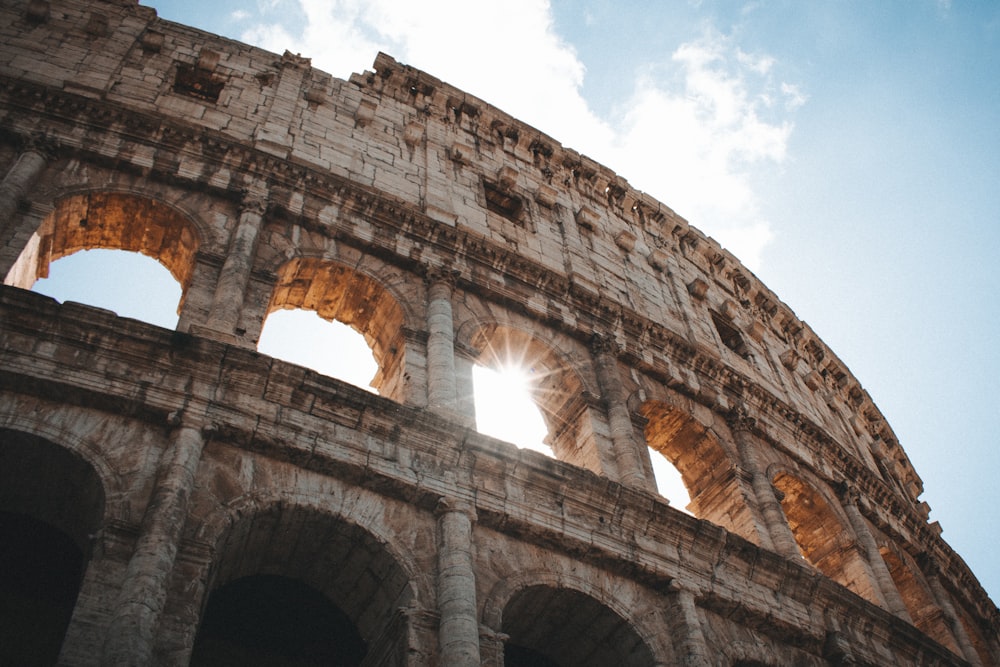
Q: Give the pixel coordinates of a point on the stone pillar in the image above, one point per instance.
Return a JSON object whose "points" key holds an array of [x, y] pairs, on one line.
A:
{"points": [[234, 277], [132, 629], [458, 631], [626, 455], [775, 524], [943, 600], [197, 305], [883, 578], [442, 394], [685, 628], [16, 184]]}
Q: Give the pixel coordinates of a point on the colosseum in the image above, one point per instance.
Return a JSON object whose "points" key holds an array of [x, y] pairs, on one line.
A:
{"points": [[177, 497]]}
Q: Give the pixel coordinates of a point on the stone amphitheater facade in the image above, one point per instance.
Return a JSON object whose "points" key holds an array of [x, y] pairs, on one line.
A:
{"points": [[214, 501]]}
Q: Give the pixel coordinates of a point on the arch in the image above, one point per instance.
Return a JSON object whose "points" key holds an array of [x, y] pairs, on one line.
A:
{"points": [[276, 620], [706, 467], [50, 426], [554, 382], [559, 625], [355, 568], [821, 535], [643, 622], [919, 601], [51, 503], [338, 292], [114, 221]]}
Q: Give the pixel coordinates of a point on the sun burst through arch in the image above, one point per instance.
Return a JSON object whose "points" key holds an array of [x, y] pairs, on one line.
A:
{"points": [[527, 381]]}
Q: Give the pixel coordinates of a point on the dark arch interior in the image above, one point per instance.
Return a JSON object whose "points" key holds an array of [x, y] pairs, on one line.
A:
{"points": [[289, 580], [40, 573], [519, 656], [50, 502], [275, 620], [554, 627]]}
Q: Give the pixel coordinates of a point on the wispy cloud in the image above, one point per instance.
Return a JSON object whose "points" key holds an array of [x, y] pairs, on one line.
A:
{"points": [[692, 134], [696, 130]]}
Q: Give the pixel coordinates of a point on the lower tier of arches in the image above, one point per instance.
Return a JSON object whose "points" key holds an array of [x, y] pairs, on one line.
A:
{"points": [[193, 489]]}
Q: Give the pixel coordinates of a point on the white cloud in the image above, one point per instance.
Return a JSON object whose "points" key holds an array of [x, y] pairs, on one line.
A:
{"points": [[691, 135], [794, 98], [694, 139]]}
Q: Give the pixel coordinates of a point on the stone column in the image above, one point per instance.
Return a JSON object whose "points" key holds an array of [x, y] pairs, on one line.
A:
{"points": [[943, 599], [685, 628], [626, 455], [132, 629], [234, 277], [458, 631], [441, 388], [775, 523], [883, 578], [16, 184]]}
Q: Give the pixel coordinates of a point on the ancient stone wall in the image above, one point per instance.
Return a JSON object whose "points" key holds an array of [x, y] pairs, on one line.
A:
{"points": [[190, 471]]}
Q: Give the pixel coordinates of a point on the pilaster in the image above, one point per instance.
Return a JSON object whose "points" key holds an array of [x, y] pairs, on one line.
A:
{"points": [[442, 396], [227, 304], [132, 630], [880, 571], [458, 631], [776, 528], [16, 184], [626, 454]]}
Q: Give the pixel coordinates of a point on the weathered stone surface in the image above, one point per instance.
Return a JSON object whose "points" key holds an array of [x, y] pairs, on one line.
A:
{"points": [[184, 465]]}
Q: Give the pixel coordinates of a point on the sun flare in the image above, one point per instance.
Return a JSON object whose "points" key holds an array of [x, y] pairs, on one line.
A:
{"points": [[505, 408]]}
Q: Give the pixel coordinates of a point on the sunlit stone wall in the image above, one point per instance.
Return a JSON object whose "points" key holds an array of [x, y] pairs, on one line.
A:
{"points": [[448, 234]]}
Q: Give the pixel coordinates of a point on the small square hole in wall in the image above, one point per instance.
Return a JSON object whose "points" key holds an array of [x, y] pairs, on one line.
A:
{"points": [[730, 335], [191, 80], [503, 203]]}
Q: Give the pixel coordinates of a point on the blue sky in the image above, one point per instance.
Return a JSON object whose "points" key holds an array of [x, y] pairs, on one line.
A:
{"points": [[847, 152]]}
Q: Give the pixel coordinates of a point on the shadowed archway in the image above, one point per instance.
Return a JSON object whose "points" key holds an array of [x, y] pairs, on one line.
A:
{"points": [[559, 627], [51, 504]]}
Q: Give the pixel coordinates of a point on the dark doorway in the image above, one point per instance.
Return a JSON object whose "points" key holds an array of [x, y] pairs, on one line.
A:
{"points": [[40, 573], [273, 620]]}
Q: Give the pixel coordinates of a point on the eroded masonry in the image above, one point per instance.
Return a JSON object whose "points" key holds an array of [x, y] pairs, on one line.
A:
{"points": [[187, 499]]}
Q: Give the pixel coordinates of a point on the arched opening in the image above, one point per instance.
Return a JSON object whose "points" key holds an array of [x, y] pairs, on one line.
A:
{"points": [[517, 358], [924, 611], [337, 293], [558, 627], [40, 573], [328, 347], [128, 283], [710, 484], [975, 635], [269, 619], [50, 503], [669, 481], [506, 409], [308, 564], [113, 221], [821, 537]]}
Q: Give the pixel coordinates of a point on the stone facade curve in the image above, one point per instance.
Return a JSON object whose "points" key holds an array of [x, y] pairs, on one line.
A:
{"points": [[435, 224]]}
